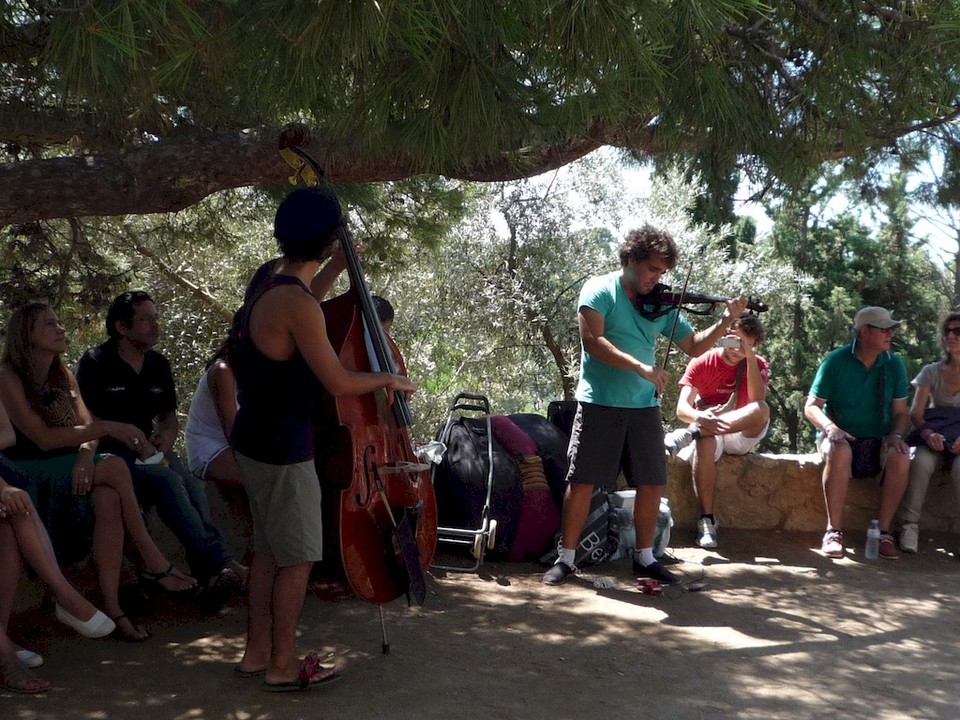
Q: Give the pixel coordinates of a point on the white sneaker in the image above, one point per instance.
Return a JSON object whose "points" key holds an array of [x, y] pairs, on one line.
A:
{"points": [[832, 545], [909, 537], [707, 533], [677, 440]]}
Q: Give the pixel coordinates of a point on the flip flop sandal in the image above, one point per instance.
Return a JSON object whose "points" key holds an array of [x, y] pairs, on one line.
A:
{"points": [[15, 681], [310, 668], [240, 672], [154, 579]]}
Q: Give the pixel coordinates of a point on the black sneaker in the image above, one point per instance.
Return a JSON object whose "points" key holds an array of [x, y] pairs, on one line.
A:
{"points": [[558, 573], [656, 571]]}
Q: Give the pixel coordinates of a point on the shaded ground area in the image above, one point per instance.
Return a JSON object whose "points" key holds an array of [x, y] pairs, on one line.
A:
{"points": [[778, 631]]}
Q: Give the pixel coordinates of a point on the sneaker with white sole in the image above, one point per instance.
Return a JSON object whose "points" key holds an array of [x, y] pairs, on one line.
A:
{"points": [[676, 440], [909, 537], [832, 545], [707, 533], [888, 548]]}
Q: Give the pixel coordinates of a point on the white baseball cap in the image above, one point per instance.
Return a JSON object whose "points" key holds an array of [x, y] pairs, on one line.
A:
{"points": [[876, 316]]}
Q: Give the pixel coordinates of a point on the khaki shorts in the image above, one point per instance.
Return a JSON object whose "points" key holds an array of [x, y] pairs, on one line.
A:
{"points": [[285, 505]]}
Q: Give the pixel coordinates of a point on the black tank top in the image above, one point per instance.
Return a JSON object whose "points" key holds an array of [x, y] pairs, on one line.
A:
{"points": [[274, 423]]}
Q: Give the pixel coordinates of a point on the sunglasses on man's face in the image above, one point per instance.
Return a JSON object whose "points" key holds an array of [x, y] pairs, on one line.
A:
{"points": [[955, 331]]}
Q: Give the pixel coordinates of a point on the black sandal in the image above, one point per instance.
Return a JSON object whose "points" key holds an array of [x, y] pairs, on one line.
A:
{"points": [[154, 580]]}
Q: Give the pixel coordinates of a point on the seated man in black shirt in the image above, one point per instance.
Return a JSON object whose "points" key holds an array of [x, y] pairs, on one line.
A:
{"points": [[126, 380]]}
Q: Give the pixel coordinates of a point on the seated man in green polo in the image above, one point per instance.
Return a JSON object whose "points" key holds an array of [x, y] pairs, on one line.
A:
{"points": [[858, 403]]}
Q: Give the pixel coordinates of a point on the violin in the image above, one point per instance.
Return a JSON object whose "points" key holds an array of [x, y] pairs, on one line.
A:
{"points": [[383, 517], [662, 299]]}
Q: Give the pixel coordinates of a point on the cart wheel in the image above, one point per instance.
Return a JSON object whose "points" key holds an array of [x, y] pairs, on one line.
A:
{"points": [[492, 534], [477, 546]]}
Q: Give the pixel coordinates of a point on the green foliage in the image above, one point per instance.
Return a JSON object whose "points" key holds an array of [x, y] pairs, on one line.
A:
{"points": [[492, 310], [453, 86], [846, 265], [196, 263]]}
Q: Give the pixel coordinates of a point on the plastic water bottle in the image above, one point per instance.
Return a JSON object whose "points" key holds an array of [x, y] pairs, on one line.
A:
{"points": [[872, 549]]}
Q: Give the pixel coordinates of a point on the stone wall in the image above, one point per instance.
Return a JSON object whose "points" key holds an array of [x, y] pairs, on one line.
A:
{"points": [[754, 492], [758, 491]]}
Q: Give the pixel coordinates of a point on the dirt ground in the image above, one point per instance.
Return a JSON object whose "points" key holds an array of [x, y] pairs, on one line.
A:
{"points": [[777, 631]]}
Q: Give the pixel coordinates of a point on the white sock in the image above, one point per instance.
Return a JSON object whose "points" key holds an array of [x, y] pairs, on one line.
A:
{"points": [[566, 556], [647, 557]]}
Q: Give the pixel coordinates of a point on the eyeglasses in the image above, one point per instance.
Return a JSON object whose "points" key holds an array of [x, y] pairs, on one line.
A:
{"points": [[955, 331], [885, 331]]}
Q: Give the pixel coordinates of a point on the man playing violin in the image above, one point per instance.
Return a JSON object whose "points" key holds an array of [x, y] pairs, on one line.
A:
{"points": [[279, 348], [618, 425], [722, 397]]}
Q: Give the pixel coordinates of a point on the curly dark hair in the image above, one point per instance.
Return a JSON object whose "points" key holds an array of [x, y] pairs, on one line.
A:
{"points": [[647, 242], [750, 325]]}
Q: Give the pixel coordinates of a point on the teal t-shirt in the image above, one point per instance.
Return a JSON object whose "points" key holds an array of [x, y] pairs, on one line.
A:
{"points": [[852, 393], [630, 332]]}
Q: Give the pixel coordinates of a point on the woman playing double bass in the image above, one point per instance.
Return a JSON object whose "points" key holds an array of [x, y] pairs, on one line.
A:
{"points": [[280, 348]]}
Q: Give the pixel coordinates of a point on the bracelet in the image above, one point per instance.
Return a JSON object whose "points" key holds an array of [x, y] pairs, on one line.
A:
{"points": [[896, 434], [826, 428]]}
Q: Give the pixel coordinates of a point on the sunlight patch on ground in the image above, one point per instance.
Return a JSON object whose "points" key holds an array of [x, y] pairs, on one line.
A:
{"points": [[728, 638], [210, 648]]}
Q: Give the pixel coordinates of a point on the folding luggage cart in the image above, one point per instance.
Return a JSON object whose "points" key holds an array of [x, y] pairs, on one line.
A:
{"points": [[480, 539]]}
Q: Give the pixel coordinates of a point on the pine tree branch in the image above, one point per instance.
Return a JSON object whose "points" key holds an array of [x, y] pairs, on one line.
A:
{"points": [[178, 279]]}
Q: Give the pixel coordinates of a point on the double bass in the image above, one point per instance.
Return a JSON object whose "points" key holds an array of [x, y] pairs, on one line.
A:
{"points": [[384, 514]]}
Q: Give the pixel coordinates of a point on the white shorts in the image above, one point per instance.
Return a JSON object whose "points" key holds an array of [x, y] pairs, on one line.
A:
{"points": [[730, 444]]}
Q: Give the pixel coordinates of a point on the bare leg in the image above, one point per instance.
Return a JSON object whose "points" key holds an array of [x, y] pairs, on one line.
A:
{"points": [[836, 479], [262, 578], [896, 475], [112, 473], [223, 471], [289, 591], [751, 419], [9, 572], [33, 542], [13, 675], [576, 507], [705, 473]]}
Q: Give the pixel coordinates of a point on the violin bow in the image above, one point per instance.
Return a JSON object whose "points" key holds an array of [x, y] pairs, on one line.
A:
{"points": [[673, 329]]}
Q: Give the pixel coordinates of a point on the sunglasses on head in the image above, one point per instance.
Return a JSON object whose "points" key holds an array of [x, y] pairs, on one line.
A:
{"points": [[955, 331]]}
